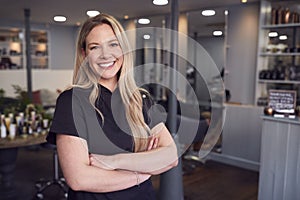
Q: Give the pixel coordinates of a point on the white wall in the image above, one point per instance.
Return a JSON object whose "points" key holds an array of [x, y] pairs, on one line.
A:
{"points": [[62, 46], [41, 79], [242, 51], [215, 48]]}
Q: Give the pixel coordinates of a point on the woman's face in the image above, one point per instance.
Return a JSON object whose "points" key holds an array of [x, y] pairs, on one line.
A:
{"points": [[104, 52]]}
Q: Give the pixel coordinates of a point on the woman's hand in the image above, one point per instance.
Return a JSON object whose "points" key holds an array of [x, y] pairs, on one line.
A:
{"points": [[152, 143], [101, 161], [106, 162]]}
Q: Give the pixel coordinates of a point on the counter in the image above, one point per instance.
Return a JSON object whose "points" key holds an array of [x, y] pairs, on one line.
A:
{"points": [[280, 159], [241, 137], [8, 157]]}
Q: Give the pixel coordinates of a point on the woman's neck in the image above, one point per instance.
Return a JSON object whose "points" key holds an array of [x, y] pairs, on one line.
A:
{"points": [[109, 84]]}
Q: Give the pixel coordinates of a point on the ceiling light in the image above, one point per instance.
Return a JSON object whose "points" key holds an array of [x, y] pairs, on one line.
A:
{"points": [[273, 34], [283, 37], [160, 2], [217, 33], [126, 16], [226, 12], [144, 21], [244, 1], [208, 13], [146, 37], [92, 13], [59, 18]]}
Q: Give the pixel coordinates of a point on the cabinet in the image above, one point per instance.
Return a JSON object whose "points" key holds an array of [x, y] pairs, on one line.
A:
{"points": [[39, 49], [280, 159], [278, 60], [12, 49]]}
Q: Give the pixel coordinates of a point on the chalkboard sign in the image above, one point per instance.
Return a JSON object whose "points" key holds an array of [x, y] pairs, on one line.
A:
{"points": [[283, 101]]}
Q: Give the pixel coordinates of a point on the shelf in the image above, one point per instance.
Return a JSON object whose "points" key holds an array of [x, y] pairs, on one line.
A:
{"points": [[38, 43], [286, 57], [11, 56], [8, 42], [279, 54], [281, 26], [39, 57], [279, 81], [14, 46]]}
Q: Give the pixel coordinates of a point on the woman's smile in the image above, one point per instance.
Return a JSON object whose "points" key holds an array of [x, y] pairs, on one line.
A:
{"points": [[107, 64]]}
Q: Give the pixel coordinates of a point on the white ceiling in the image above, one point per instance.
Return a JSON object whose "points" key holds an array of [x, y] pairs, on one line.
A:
{"points": [[42, 11]]}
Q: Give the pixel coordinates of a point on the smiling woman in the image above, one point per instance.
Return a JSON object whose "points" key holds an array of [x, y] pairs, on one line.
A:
{"points": [[102, 122], [105, 54]]}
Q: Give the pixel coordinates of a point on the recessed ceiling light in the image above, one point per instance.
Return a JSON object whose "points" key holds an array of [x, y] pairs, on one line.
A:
{"points": [[146, 37], [92, 13], [273, 34], [217, 33], [208, 13], [244, 1], [144, 21], [59, 18], [226, 12], [283, 37], [160, 2], [126, 16]]}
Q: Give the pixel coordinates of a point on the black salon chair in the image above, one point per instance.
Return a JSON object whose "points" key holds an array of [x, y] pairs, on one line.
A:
{"points": [[42, 185]]}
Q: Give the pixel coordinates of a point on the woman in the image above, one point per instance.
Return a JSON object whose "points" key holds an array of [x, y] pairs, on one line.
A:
{"points": [[117, 164]]}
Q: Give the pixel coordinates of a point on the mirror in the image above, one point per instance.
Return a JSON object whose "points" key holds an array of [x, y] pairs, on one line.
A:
{"points": [[201, 29]]}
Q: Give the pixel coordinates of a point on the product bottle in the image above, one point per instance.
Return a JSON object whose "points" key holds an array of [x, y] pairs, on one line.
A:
{"points": [[3, 127], [13, 128]]}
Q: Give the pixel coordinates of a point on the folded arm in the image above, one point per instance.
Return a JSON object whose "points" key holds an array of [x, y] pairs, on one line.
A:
{"points": [[80, 175], [154, 161]]}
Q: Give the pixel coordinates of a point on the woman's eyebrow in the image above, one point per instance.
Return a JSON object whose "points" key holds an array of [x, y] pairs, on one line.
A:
{"points": [[113, 40], [96, 43], [93, 43]]}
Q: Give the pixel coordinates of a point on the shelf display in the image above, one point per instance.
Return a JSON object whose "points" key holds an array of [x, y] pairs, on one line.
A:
{"points": [[39, 49], [12, 52], [278, 62], [11, 49]]}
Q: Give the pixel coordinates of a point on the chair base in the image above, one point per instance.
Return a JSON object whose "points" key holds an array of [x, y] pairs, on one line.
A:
{"points": [[43, 185]]}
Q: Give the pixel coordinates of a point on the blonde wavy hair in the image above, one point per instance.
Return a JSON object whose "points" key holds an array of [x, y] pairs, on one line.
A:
{"points": [[130, 93]]}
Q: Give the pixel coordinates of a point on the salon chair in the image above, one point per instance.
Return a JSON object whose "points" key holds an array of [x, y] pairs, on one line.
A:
{"points": [[42, 185]]}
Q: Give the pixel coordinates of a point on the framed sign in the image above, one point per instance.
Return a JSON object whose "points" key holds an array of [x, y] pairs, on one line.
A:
{"points": [[282, 101]]}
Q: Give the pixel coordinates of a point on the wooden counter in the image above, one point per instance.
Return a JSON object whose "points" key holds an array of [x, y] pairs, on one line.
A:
{"points": [[8, 156], [22, 141]]}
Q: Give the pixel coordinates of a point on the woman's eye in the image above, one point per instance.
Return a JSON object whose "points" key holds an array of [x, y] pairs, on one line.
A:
{"points": [[94, 47], [114, 44]]}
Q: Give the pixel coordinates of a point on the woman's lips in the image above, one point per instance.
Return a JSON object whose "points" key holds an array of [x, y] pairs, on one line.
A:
{"points": [[106, 65]]}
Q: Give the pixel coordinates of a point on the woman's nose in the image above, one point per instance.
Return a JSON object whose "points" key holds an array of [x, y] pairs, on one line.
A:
{"points": [[105, 53]]}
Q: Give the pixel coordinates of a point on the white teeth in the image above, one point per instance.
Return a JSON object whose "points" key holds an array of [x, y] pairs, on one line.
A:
{"points": [[106, 64]]}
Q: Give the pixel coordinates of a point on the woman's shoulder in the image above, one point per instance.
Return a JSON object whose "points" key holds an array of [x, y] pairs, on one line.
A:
{"points": [[65, 96]]}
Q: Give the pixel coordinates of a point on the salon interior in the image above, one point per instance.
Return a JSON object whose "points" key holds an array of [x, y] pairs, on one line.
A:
{"points": [[232, 66]]}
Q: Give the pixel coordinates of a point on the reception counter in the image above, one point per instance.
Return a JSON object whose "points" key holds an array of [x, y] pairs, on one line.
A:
{"points": [[279, 176], [241, 137]]}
